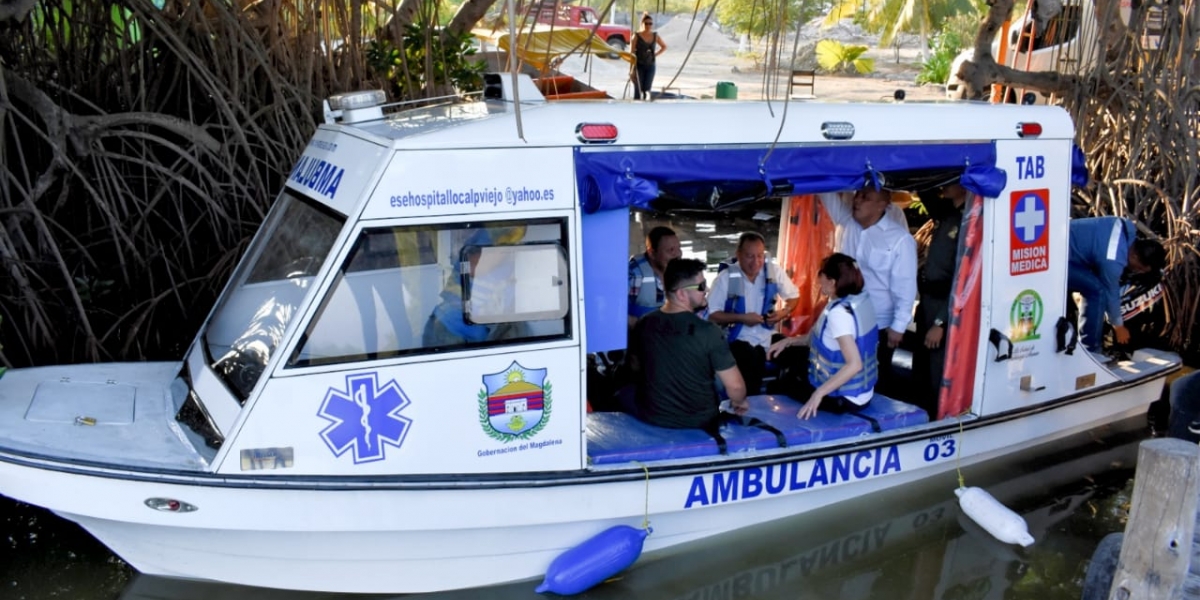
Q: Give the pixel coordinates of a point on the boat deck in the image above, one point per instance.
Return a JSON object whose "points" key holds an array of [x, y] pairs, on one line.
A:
{"points": [[615, 438], [119, 413]]}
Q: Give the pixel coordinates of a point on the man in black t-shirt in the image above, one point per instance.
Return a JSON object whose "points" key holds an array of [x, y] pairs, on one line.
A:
{"points": [[677, 356]]}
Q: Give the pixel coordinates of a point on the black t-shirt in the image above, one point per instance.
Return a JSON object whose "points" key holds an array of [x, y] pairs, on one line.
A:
{"points": [[679, 355]]}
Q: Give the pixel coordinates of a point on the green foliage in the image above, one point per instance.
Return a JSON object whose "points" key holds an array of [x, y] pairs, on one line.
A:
{"points": [[836, 57], [888, 18], [936, 69], [861, 18], [964, 26], [429, 59], [92, 289], [958, 32], [759, 17]]}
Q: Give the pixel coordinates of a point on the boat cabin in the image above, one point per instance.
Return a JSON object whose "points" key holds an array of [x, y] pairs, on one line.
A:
{"points": [[431, 286]]}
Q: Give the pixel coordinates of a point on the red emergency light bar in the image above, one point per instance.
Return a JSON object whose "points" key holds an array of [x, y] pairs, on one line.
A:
{"points": [[596, 133], [1029, 129]]}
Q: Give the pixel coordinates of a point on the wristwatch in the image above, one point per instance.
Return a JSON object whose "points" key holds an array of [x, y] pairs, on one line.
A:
{"points": [[938, 323]]}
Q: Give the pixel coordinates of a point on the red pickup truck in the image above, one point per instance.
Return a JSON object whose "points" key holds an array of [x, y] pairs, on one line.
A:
{"points": [[616, 36]]}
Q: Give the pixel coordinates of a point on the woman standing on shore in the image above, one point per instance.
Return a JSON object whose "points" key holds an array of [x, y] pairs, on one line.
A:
{"points": [[646, 48]]}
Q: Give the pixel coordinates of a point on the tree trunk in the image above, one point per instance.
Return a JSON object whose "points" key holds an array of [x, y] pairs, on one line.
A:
{"points": [[983, 71], [470, 13], [924, 40], [403, 17]]}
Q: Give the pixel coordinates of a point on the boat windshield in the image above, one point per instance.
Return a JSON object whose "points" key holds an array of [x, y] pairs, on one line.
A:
{"points": [[267, 289]]}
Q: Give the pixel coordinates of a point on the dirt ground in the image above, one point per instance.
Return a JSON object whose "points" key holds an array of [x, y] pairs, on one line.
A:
{"points": [[713, 56]]}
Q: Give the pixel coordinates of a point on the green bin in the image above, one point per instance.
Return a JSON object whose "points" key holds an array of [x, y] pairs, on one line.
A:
{"points": [[726, 90]]}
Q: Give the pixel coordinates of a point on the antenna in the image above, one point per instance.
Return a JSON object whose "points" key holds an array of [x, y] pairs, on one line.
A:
{"points": [[512, 65]]}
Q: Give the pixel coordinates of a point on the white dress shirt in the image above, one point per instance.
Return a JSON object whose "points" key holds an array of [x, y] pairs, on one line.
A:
{"points": [[752, 291], [887, 256]]}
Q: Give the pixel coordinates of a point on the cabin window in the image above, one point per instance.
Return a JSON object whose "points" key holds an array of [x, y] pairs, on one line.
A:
{"points": [[248, 325], [435, 288]]}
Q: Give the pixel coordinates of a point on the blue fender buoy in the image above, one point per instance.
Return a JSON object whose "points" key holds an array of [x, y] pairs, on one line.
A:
{"points": [[596, 559]]}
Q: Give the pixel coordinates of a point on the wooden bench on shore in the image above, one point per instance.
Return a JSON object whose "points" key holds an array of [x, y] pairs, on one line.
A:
{"points": [[803, 79]]}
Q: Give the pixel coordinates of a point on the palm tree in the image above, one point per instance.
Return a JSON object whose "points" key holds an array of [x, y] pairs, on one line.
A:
{"points": [[889, 18]]}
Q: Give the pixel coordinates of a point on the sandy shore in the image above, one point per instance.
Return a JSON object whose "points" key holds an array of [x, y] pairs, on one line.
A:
{"points": [[697, 59]]}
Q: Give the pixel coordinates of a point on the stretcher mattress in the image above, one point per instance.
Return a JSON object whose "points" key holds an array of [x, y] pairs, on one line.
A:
{"points": [[615, 437]]}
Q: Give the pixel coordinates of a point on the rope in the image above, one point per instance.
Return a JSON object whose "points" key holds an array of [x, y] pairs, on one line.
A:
{"points": [[958, 455], [646, 509], [762, 165], [512, 66]]}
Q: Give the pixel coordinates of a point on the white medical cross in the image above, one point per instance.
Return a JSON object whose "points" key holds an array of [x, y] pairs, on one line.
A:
{"points": [[1029, 219]]}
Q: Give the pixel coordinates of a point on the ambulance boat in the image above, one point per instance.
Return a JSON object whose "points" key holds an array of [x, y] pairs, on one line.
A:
{"points": [[392, 392]]}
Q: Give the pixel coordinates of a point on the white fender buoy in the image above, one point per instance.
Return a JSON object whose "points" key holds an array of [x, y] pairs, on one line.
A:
{"points": [[1004, 524], [596, 559]]}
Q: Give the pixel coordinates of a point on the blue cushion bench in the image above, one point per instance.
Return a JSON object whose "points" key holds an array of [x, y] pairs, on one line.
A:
{"points": [[615, 437]]}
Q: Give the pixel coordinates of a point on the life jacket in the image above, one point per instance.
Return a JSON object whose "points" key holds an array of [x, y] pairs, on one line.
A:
{"points": [[650, 293], [449, 314], [735, 297], [823, 362]]}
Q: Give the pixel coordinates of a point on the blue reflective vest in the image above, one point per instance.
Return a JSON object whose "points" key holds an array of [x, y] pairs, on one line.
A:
{"points": [[823, 361], [649, 288], [735, 297]]}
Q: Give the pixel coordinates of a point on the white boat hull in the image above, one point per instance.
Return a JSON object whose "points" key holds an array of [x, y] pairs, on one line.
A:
{"points": [[322, 535]]}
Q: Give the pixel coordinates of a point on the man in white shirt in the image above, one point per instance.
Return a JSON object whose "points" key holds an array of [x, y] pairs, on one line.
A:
{"points": [[875, 233], [743, 300]]}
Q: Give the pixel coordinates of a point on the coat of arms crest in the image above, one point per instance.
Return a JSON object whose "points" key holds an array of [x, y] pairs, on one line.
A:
{"points": [[514, 403]]}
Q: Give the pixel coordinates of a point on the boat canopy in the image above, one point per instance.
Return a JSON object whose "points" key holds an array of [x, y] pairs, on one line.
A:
{"points": [[721, 178], [542, 45]]}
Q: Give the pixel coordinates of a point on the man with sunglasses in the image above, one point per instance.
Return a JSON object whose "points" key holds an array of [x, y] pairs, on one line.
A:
{"points": [[677, 356]]}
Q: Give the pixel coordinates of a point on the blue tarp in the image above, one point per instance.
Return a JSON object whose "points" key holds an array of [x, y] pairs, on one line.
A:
{"points": [[1079, 170], [620, 178]]}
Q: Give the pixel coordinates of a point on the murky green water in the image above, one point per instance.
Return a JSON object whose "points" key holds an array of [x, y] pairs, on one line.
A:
{"points": [[908, 543]]}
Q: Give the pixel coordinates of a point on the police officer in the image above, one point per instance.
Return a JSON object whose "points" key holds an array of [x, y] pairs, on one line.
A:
{"points": [[935, 279]]}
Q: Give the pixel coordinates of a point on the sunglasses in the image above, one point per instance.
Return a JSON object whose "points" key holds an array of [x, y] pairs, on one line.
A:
{"points": [[699, 287]]}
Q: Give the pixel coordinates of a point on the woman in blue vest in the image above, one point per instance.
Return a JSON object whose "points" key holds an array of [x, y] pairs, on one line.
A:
{"points": [[842, 368]]}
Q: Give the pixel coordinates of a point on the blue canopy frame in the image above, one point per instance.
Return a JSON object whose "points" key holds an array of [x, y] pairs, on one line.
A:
{"points": [[612, 178]]}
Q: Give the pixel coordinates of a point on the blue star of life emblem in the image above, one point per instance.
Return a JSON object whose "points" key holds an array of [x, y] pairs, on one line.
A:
{"points": [[364, 417]]}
